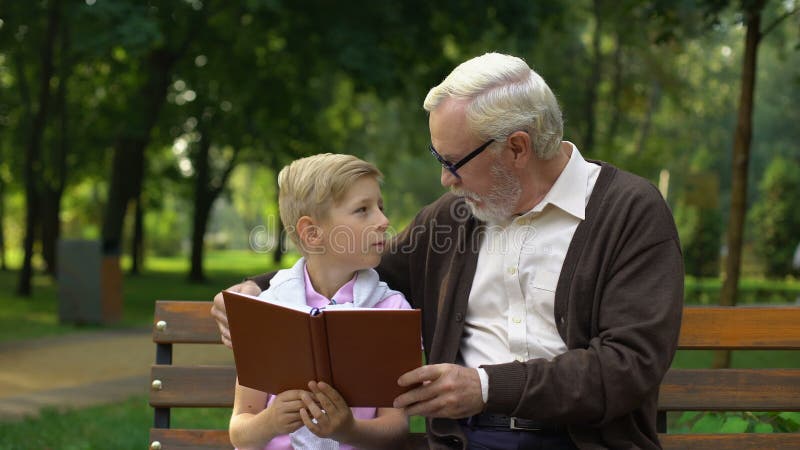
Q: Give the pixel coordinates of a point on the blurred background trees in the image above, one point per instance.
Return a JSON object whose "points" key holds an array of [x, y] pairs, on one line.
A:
{"points": [[158, 127]]}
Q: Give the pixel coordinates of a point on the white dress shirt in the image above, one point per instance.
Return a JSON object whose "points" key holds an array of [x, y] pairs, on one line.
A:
{"points": [[510, 310]]}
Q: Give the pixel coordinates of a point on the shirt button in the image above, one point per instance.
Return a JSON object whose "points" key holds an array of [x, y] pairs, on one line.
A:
{"points": [[561, 320], [516, 320], [512, 270], [459, 317]]}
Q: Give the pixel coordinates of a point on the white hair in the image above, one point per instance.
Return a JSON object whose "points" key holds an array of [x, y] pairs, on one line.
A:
{"points": [[505, 95]]}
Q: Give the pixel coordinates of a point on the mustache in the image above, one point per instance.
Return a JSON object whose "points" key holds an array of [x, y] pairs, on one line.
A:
{"points": [[466, 194]]}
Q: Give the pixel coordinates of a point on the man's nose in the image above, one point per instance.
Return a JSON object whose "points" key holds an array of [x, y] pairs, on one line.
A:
{"points": [[448, 179]]}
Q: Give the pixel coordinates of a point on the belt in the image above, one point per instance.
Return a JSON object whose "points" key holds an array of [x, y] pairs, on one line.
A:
{"points": [[499, 421]]}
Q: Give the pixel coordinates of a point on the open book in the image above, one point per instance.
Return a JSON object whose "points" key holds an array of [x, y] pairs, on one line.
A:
{"points": [[360, 352]]}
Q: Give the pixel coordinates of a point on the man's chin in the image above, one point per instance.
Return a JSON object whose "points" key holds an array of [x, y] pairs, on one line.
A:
{"points": [[489, 216]]}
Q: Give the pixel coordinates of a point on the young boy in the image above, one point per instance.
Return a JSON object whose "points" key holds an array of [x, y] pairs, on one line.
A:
{"points": [[333, 211]]}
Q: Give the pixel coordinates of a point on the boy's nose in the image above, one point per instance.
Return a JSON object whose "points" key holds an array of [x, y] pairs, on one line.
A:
{"points": [[383, 222]]}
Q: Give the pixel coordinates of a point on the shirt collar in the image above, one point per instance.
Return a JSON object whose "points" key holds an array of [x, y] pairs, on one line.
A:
{"points": [[343, 295], [566, 193]]}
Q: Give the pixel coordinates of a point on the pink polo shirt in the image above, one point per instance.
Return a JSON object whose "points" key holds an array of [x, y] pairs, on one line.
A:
{"points": [[317, 300]]}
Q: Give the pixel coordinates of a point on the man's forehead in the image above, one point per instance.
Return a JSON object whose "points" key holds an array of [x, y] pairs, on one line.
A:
{"points": [[448, 127]]}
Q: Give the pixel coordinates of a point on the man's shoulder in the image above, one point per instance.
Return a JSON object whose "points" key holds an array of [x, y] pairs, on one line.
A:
{"points": [[619, 184], [624, 197]]}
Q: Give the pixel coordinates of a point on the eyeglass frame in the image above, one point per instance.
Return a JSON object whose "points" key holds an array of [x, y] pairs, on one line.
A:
{"points": [[453, 168]]}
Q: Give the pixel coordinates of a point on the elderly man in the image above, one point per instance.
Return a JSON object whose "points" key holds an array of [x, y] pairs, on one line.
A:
{"points": [[551, 287]]}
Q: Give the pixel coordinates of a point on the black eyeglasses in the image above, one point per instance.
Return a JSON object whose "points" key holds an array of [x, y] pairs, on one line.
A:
{"points": [[454, 167]]}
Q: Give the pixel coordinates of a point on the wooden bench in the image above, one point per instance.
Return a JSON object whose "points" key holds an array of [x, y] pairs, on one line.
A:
{"points": [[750, 328]]}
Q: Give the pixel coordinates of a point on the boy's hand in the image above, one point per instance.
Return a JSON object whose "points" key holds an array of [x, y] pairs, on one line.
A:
{"points": [[284, 411], [326, 413]]}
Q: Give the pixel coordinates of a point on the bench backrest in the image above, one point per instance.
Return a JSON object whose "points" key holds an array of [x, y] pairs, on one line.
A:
{"points": [[748, 328]]}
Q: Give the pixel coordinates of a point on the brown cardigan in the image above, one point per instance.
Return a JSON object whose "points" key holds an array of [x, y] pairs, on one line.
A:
{"points": [[618, 307]]}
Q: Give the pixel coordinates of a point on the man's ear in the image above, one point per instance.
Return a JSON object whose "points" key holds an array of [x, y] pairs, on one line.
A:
{"points": [[519, 142]]}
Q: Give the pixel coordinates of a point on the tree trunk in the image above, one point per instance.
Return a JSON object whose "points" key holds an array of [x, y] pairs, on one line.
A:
{"points": [[128, 166], [137, 243], [741, 159], [616, 93], [652, 107], [50, 225], [280, 241], [55, 178], [3, 265], [202, 207], [206, 191], [594, 78], [33, 154]]}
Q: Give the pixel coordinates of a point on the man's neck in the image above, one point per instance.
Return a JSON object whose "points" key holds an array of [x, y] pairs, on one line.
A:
{"points": [[540, 177]]}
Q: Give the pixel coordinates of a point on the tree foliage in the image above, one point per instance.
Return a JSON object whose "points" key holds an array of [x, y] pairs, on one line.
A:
{"points": [[163, 103], [777, 217]]}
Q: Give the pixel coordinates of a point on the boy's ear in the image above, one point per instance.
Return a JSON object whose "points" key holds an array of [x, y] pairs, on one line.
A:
{"points": [[308, 231]]}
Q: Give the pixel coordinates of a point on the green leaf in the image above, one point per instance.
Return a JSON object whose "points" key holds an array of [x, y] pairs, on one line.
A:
{"points": [[734, 424], [689, 416], [710, 423], [762, 427], [791, 416]]}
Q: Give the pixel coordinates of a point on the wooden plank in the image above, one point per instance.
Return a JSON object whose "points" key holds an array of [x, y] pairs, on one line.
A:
{"points": [[193, 386], [176, 439], [762, 327], [730, 390], [733, 441], [184, 439], [738, 327], [185, 322]]}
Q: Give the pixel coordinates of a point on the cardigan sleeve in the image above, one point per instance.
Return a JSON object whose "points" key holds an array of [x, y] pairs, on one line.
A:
{"points": [[262, 280]]}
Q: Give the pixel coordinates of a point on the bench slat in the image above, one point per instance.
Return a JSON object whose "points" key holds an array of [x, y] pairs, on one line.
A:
{"points": [[703, 327], [681, 390], [730, 390], [183, 439], [739, 327], [187, 322], [193, 386], [733, 441]]}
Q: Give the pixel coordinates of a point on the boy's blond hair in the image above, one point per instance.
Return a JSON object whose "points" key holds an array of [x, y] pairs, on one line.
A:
{"points": [[310, 186]]}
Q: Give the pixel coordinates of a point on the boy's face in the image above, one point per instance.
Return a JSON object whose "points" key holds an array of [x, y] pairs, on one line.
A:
{"points": [[354, 233]]}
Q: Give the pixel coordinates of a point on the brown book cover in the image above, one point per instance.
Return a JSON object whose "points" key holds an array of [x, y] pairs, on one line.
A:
{"points": [[360, 352]]}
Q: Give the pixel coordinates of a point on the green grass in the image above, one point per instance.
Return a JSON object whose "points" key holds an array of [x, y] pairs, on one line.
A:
{"points": [[163, 278], [121, 426]]}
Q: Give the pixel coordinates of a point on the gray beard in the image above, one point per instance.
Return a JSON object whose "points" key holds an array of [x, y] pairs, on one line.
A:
{"points": [[500, 201]]}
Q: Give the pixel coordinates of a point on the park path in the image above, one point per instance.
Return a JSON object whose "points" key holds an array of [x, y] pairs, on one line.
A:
{"points": [[84, 368]]}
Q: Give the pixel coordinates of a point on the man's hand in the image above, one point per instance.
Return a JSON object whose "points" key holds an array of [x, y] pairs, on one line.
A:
{"points": [[447, 390], [218, 310]]}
